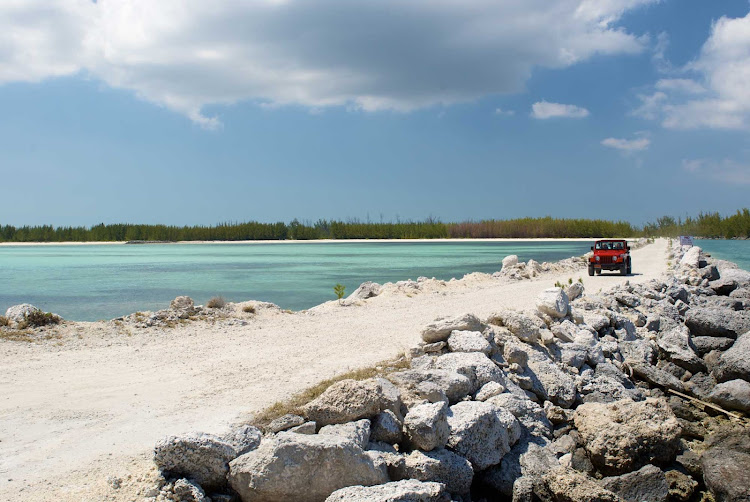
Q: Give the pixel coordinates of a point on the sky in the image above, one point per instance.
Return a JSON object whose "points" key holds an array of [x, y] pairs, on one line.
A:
{"points": [[192, 112]]}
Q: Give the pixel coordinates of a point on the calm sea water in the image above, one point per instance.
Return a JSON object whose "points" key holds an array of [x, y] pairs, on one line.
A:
{"points": [[86, 283], [736, 251]]}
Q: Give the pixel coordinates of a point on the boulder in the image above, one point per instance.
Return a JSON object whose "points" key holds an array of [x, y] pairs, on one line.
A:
{"points": [[481, 432], [386, 427], [183, 304], [306, 428], [562, 485], [735, 362], [454, 385], [607, 384], [510, 261], [303, 468], [551, 383], [468, 341], [350, 400], [732, 395], [407, 490], [723, 286], [596, 320], [488, 390], [531, 460], [691, 258], [365, 290], [477, 367], [627, 299], [717, 322], [441, 466], [574, 291], [625, 435], [515, 353], [426, 426], [441, 328], [565, 331], [532, 417], [18, 313], [705, 344], [358, 432], [188, 491], [553, 302], [725, 466], [655, 376], [204, 457], [521, 325], [739, 276], [647, 483], [283, 423], [675, 344], [681, 486]]}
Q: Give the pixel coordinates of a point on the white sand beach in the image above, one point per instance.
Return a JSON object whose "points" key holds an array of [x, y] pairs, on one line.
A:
{"points": [[86, 406]]}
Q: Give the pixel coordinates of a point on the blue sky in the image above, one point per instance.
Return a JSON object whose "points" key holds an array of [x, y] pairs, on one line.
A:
{"points": [[198, 112]]}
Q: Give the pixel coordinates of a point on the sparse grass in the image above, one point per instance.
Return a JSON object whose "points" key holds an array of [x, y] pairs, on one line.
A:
{"points": [[249, 309], [16, 336], [216, 302], [296, 401], [4, 321], [37, 318], [580, 279]]}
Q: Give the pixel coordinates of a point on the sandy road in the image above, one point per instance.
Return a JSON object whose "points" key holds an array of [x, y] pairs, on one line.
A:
{"points": [[91, 405]]}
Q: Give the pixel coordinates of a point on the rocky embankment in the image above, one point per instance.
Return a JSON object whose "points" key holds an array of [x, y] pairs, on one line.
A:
{"points": [[640, 393]]}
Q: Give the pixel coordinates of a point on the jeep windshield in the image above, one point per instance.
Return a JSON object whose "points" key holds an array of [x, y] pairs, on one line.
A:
{"points": [[610, 246]]}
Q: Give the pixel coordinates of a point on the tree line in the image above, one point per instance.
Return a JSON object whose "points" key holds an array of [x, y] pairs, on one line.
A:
{"points": [[710, 225]]}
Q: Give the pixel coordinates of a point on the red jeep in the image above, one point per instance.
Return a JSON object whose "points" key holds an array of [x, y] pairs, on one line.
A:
{"points": [[610, 254]]}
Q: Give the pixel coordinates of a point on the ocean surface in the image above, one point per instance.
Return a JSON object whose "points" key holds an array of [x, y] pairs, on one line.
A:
{"points": [[94, 282], [732, 250]]}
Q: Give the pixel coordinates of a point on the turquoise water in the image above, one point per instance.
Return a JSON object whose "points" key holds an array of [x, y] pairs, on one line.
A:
{"points": [[87, 283], [732, 250]]}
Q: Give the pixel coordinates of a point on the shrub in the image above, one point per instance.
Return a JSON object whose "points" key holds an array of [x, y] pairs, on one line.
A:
{"points": [[38, 318], [339, 290], [248, 309], [216, 302], [4, 321]]}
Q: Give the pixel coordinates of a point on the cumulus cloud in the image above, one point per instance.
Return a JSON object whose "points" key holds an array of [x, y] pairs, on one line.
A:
{"points": [[368, 54], [506, 113], [717, 96], [727, 170], [546, 110], [627, 145]]}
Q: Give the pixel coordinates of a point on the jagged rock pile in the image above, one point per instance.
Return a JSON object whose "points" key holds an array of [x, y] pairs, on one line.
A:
{"points": [[183, 308], [570, 402]]}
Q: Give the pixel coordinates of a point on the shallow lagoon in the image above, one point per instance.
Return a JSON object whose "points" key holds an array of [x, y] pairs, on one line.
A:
{"points": [[92, 282]]}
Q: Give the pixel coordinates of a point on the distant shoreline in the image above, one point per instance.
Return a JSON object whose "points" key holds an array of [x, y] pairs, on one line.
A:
{"points": [[311, 241]]}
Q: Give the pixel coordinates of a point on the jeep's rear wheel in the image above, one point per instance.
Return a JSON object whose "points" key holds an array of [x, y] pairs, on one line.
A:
{"points": [[591, 270]]}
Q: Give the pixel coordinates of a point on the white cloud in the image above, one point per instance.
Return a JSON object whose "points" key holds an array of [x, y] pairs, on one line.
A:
{"points": [[684, 85], [368, 54], [627, 145], [547, 110], [727, 170], [718, 96], [507, 113]]}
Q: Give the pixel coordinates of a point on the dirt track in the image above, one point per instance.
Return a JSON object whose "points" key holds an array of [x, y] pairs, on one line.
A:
{"points": [[91, 404]]}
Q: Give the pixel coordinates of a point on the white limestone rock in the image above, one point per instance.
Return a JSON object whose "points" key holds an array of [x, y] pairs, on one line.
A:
{"points": [[553, 302], [303, 468]]}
